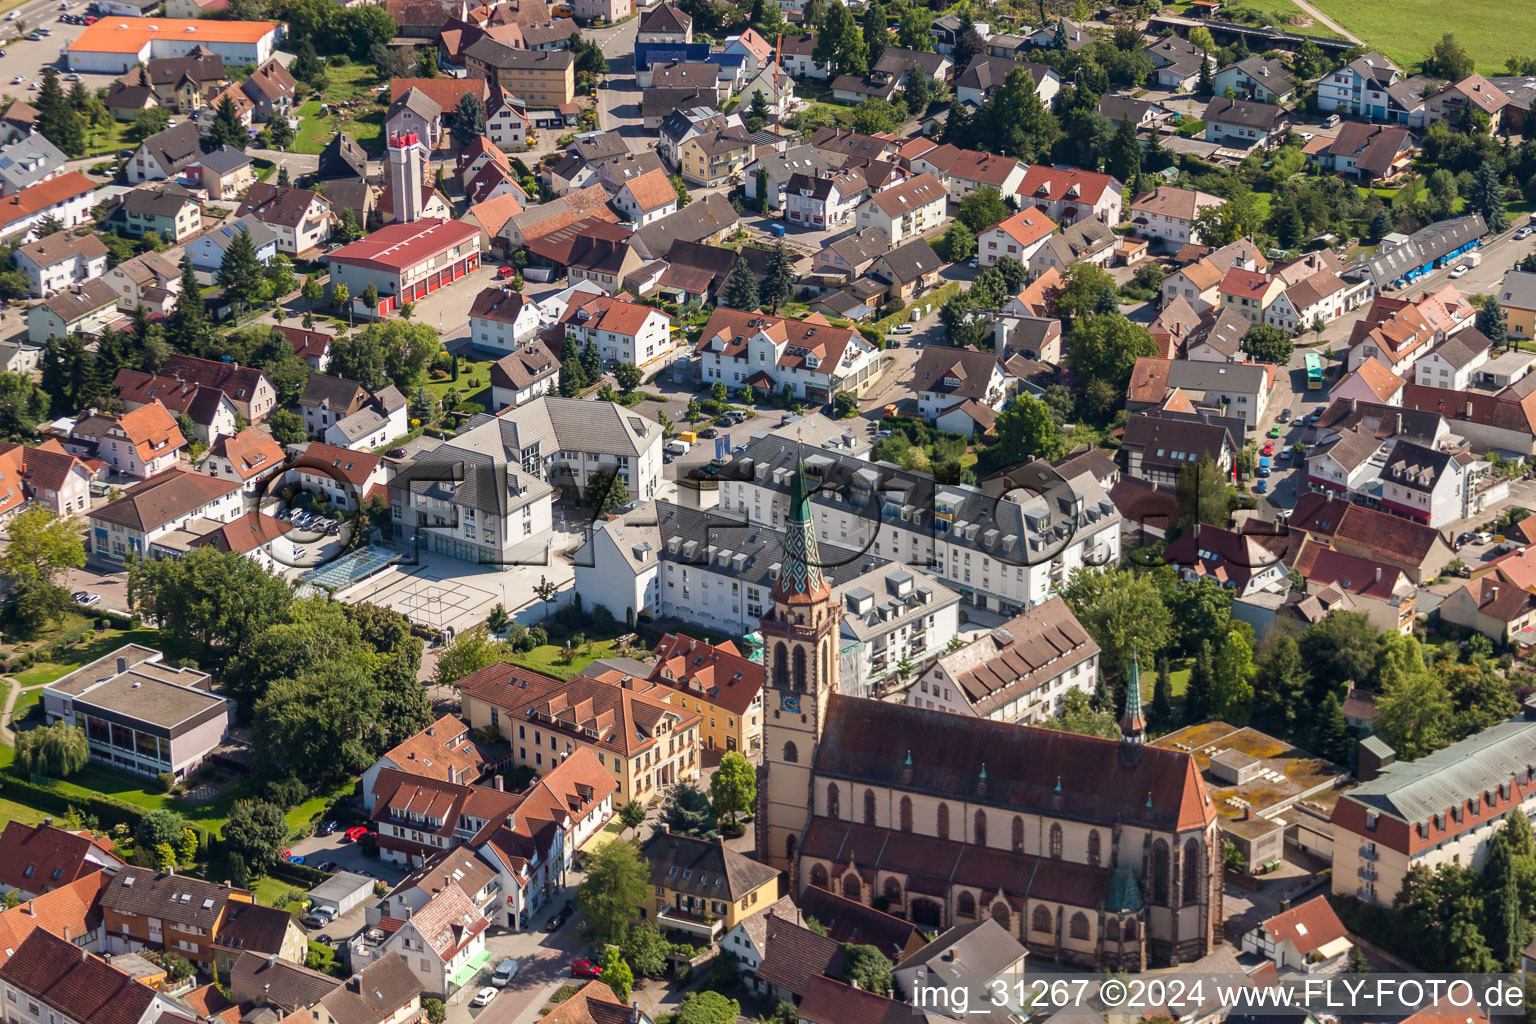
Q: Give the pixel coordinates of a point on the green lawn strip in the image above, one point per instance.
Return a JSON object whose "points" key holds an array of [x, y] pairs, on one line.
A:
{"points": [[1406, 30], [10, 810], [365, 124], [543, 659], [105, 642]]}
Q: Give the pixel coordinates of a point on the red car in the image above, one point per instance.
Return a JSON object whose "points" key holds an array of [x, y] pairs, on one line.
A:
{"points": [[506, 272], [586, 969], [355, 833], [1269, 449]]}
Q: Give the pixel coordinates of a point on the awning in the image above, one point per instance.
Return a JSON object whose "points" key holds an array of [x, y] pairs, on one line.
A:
{"points": [[1338, 947], [471, 967]]}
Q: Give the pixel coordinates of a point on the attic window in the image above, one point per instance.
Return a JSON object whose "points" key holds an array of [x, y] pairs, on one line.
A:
{"points": [[28, 873]]}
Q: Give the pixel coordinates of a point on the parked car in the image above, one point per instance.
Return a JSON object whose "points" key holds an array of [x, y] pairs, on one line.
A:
{"points": [[484, 997], [709, 433], [355, 833], [903, 328], [1274, 431], [586, 969], [297, 858], [556, 921], [1262, 487], [326, 865], [316, 920], [85, 600], [505, 272], [1460, 271], [1285, 416], [505, 972], [1523, 232], [396, 453], [326, 829]]}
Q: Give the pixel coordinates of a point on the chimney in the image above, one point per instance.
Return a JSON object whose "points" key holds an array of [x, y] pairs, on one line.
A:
{"points": [[1399, 423], [31, 910], [355, 983], [498, 783], [1354, 404], [1378, 574], [1247, 812], [122, 665], [66, 933], [85, 955]]}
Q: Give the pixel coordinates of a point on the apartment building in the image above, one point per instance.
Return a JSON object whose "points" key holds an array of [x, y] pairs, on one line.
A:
{"points": [[60, 261], [50, 980], [905, 211], [142, 907], [814, 359], [157, 507], [895, 621], [540, 78], [719, 684], [137, 444], [701, 888]]}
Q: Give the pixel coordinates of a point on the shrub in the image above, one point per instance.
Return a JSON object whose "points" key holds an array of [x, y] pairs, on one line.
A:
{"points": [[166, 781]]}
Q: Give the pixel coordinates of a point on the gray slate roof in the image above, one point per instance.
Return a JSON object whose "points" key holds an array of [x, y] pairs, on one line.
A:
{"points": [[27, 162], [1412, 791]]}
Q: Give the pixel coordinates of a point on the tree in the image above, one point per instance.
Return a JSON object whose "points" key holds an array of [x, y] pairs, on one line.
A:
{"points": [[1124, 612], [758, 113], [1492, 322], [341, 298], [188, 329], [1330, 731], [370, 296], [617, 884], [1381, 225], [645, 950], [741, 288], [733, 789], [868, 968], [348, 230], [1078, 715], [58, 121], [573, 376], [545, 590], [1160, 711], [1017, 123], [718, 391], [468, 122], [1266, 343], [287, 427], [591, 362], [616, 973], [632, 815], [1280, 683], [257, 831], [1448, 60], [683, 198], [240, 275], [469, 651], [958, 243], [1232, 695], [919, 93], [227, 129], [436, 1012], [1026, 431], [280, 280], [1338, 652], [916, 29], [1105, 347], [968, 42], [283, 180], [983, 208], [209, 604], [312, 291], [1413, 711], [710, 1007], [1082, 285], [393, 352], [1203, 494], [606, 492], [686, 811], [1125, 152], [779, 284], [159, 826], [840, 43], [628, 376], [23, 406], [43, 547], [1486, 196], [57, 751], [1199, 691]]}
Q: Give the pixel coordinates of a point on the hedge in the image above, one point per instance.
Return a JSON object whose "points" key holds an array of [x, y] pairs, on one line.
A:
{"points": [[105, 809], [299, 874]]}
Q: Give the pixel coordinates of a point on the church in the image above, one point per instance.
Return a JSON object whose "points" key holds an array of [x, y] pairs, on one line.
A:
{"points": [[1097, 853]]}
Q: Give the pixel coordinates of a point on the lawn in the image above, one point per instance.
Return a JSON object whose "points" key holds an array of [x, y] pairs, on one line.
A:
{"points": [[270, 892], [544, 659], [1267, 9], [1406, 30], [106, 642], [365, 122], [12, 811], [450, 392]]}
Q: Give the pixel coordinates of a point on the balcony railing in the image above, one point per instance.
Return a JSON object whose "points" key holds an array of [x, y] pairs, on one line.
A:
{"points": [[1368, 853]]}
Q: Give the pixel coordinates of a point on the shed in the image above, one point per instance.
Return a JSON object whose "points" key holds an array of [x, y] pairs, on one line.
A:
{"points": [[343, 890]]}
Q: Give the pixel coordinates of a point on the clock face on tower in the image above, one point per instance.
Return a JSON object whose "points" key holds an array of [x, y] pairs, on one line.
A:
{"points": [[790, 702]]}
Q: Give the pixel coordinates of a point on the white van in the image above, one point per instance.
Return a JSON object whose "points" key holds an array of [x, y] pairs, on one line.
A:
{"points": [[677, 446]]}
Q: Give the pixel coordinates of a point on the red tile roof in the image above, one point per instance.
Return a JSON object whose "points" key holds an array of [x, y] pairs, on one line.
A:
{"points": [[43, 195], [79, 985], [399, 247], [71, 910], [37, 858], [719, 676], [342, 463], [1308, 927], [445, 92]]}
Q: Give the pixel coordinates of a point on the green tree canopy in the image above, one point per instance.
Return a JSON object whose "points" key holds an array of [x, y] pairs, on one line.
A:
{"points": [[616, 886]]}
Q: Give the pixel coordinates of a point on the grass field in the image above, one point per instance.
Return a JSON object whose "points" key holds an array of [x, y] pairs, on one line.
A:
{"points": [[365, 123], [105, 642], [1406, 30], [451, 392], [542, 659], [1303, 23]]}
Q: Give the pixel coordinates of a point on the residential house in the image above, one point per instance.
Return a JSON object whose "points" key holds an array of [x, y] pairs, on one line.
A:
{"points": [[540, 78], [1070, 195], [1371, 381], [27, 162], [1517, 298], [314, 347], [138, 444], [377, 423], [42, 858], [623, 331], [1399, 331], [1247, 563], [1177, 63], [152, 509], [1168, 214], [444, 942], [1420, 551], [1243, 124], [1254, 78], [984, 75], [168, 210], [224, 173], [947, 377], [1370, 87], [1159, 448], [301, 219], [1087, 241], [1437, 487], [1248, 293], [68, 197], [811, 357], [46, 474], [647, 198], [209, 410], [84, 308], [1019, 672], [1019, 238], [501, 320], [60, 261], [909, 270], [137, 278], [251, 456], [723, 686], [797, 53], [444, 750], [1455, 362], [703, 889], [272, 90], [1493, 606], [824, 202], [715, 157], [982, 950], [653, 743], [248, 388], [165, 154], [1454, 101], [208, 251], [665, 23], [911, 209], [963, 171], [1239, 390], [182, 84], [1367, 152], [851, 255], [71, 986], [345, 477]]}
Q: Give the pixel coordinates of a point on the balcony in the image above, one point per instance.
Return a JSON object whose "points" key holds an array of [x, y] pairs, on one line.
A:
{"points": [[707, 929], [1368, 872], [1368, 853]]}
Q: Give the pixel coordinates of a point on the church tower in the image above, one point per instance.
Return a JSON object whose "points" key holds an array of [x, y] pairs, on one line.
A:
{"points": [[1133, 727], [800, 659]]}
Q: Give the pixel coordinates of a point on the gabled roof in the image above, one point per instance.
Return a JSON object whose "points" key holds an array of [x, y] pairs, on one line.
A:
{"points": [[80, 986], [912, 194], [61, 246], [173, 148], [701, 868], [181, 899], [1247, 113], [722, 677], [280, 206], [69, 910], [40, 858], [45, 195], [667, 17], [353, 467], [1027, 227]]}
